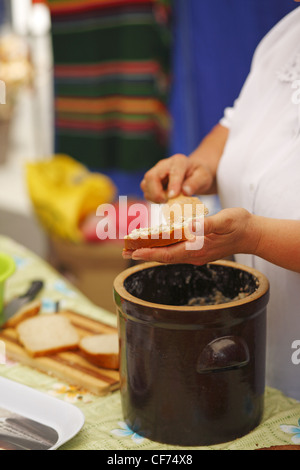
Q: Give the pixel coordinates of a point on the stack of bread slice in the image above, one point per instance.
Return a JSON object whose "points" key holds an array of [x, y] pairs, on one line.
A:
{"points": [[43, 334]]}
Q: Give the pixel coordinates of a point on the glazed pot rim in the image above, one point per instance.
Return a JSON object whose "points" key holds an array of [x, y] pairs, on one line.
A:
{"points": [[262, 289]]}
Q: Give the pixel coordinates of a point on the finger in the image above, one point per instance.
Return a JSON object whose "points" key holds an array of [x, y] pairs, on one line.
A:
{"points": [[210, 225], [154, 191], [177, 174], [224, 222], [198, 182], [218, 223], [153, 183], [195, 228], [127, 254], [166, 255]]}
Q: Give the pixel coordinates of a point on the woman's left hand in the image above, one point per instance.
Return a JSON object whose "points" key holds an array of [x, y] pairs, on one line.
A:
{"points": [[227, 233]]}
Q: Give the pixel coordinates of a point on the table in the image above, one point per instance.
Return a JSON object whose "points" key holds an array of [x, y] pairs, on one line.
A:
{"points": [[104, 428]]}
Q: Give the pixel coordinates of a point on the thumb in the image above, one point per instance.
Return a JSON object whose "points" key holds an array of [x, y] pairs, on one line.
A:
{"points": [[220, 223], [211, 224]]}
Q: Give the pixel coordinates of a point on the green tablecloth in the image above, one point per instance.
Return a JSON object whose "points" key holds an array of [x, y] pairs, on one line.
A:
{"points": [[104, 427]]}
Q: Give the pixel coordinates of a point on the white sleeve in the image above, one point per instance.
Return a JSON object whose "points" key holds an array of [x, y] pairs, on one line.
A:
{"points": [[229, 113]]}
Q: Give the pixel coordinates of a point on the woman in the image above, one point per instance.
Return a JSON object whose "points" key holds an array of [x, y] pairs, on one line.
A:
{"points": [[252, 158]]}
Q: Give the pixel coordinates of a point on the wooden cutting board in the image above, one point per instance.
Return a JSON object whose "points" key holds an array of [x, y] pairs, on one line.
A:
{"points": [[69, 366]]}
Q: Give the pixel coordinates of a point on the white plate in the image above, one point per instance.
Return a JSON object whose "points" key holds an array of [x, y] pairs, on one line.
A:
{"points": [[65, 419]]}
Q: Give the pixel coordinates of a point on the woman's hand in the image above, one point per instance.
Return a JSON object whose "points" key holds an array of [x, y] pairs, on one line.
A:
{"points": [[175, 175], [195, 174], [227, 233]]}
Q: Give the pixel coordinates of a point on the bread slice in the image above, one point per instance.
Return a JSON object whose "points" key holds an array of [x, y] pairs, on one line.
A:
{"points": [[164, 235], [47, 334], [29, 310], [101, 350], [178, 213], [183, 208]]}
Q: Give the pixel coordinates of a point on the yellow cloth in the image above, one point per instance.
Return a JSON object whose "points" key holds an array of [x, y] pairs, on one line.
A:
{"points": [[64, 192]]}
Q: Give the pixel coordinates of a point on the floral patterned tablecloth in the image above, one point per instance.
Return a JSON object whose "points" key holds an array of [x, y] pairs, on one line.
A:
{"points": [[104, 427]]}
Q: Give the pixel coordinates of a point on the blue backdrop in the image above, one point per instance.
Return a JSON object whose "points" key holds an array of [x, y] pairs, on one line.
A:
{"points": [[214, 41]]}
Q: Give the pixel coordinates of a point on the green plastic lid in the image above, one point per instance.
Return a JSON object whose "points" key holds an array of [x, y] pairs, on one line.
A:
{"points": [[7, 267]]}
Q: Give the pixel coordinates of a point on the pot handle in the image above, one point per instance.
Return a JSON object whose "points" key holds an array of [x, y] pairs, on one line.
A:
{"points": [[222, 354]]}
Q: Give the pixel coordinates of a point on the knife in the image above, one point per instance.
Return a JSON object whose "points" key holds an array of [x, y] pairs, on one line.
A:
{"points": [[19, 302]]}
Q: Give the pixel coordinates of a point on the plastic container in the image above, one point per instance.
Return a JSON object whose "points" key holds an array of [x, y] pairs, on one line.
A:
{"points": [[7, 269], [192, 351]]}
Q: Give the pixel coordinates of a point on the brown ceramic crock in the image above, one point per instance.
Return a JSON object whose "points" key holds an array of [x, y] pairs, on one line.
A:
{"points": [[192, 375]]}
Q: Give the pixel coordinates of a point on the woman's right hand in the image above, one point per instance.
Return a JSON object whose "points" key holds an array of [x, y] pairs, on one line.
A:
{"points": [[175, 175]]}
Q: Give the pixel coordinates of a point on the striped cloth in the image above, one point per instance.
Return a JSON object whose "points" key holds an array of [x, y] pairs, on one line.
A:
{"points": [[112, 78]]}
